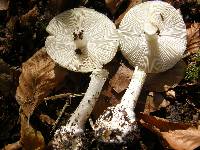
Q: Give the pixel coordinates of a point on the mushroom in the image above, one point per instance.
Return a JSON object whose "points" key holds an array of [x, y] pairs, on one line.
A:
{"points": [[153, 39], [81, 40]]}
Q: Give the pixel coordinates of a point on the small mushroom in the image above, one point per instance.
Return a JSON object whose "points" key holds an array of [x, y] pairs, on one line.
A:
{"points": [[153, 39], [81, 40]]}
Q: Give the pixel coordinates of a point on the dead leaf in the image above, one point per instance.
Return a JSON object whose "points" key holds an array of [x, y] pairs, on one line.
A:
{"points": [[29, 16], [131, 4], [4, 4], [11, 24], [39, 77], [13, 146], [170, 78], [154, 102], [183, 139], [58, 6], [154, 82], [177, 135], [4, 67], [31, 139], [193, 38], [112, 5], [171, 94], [106, 99], [121, 79], [7, 83], [46, 119], [161, 124]]}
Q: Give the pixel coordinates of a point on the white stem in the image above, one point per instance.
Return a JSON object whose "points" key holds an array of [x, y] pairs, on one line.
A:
{"points": [[151, 35], [117, 122], [131, 95], [70, 135], [83, 111]]}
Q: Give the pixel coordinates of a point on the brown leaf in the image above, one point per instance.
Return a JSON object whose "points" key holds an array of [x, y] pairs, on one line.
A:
{"points": [[177, 135], [121, 79], [4, 67], [39, 77], [31, 139], [193, 38], [154, 102], [11, 24], [131, 4], [29, 16], [4, 4], [113, 4], [183, 139], [161, 124], [7, 84], [170, 78], [57, 6], [13, 146], [46, 119], [158, 82], [105, 100]]}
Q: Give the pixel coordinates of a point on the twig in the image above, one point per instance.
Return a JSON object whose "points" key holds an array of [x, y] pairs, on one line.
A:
{"points": [[60, 115], [64, 95]]}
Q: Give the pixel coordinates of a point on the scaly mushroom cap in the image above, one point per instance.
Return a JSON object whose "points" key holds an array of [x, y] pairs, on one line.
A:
{"points": [[81, 39], [171, 35]]}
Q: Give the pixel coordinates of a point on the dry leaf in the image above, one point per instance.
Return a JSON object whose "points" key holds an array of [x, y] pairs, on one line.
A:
{"points": [[171, 94], [154, 82], [113, 4], [31, 139], [4, 67], [58, 6], [39, 77], [106, 99], [7, 84], [177, 135], [29, 16], [4, 4], [183, 139], [46, 119], [193, 38], [154, 102], [170, 78], [161, 124], [131, 4], [13, 146], [11, 24], [121, 79]]}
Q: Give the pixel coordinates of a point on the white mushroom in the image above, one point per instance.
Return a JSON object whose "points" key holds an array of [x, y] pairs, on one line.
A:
{"points": [[81, 40], [153, 39]]}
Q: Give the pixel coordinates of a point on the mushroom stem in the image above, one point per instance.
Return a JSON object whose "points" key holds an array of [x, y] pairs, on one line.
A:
{"points": [[151, 35], [83, 111], [132, 93], [116, 123], [69, 136]]}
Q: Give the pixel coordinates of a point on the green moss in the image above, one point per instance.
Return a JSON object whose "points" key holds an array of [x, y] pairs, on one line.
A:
{"points": [[193, 70]]}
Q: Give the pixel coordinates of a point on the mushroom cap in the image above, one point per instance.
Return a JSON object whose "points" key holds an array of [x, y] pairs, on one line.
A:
{"points": [[171, 36], [81, 39]]}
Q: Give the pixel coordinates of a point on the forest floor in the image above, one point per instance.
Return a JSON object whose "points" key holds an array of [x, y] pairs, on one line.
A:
{"points": [[31, 100]]}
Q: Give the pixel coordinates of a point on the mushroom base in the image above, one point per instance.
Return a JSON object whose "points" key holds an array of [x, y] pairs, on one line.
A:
{"points": [[114, 126], [67, 138]]}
